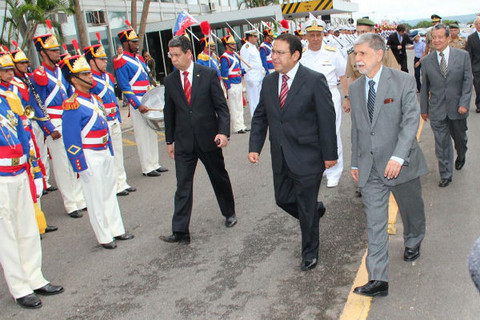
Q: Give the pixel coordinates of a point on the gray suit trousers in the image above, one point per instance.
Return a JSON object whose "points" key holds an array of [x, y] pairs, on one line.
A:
{"points": [[375, 196]]}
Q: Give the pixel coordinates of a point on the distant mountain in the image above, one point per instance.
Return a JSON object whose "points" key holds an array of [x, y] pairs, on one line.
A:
{"points": [[461, 19]]}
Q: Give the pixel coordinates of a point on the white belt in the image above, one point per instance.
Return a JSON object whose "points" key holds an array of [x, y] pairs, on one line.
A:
{"points": [[11, 162], [140, 88]]}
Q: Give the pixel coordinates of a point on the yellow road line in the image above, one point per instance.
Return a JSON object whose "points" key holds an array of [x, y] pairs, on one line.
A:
{"points": [[132, 143], [357, 307]]}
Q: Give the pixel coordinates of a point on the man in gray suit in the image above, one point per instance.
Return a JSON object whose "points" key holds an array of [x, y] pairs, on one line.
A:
{"points": [[445, 99], [386, 156]]}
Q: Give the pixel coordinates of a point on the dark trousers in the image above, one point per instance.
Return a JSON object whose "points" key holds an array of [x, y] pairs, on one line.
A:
{"points": [[185, 164], [476, 85], [297, 195], [417, 73]]}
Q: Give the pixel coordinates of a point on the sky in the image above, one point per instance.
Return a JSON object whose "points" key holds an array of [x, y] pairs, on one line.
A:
{"points": [[395, 10]]}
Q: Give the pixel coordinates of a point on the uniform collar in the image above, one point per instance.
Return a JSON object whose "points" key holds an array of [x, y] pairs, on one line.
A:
{"points": [[83, 94]]}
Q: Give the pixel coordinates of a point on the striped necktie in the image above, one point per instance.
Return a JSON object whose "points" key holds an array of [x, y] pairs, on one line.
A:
{"points": [[284, 90], [443, 65], [187, 87], [371, 99]]}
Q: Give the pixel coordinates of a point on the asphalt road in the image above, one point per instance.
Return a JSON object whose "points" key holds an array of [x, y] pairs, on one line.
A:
{"points": [[251, 271]]}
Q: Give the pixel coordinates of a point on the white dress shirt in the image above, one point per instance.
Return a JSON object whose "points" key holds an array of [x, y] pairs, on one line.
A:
{"points": [[291, 74]]}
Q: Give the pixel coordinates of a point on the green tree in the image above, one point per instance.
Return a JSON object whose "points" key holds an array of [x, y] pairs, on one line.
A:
{"points": [[424, 24]]}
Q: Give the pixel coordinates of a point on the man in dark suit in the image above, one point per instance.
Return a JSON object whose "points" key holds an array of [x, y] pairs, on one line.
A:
{"points": [[386, 157], [473, 48], [398, 42], [197, 125], [445, 99], [296, 107]]}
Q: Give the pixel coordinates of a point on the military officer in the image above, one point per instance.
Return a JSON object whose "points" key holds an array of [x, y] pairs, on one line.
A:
{"points": [[231, 72], [328, 61], [266, 51], [436, 19], [455, 40], [88, 146], [254, 72], [103, 87], [52, 88], [208, 56], [132, 77]]}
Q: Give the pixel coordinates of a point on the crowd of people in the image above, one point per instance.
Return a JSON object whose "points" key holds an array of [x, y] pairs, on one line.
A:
{"points": [[67, 108]]}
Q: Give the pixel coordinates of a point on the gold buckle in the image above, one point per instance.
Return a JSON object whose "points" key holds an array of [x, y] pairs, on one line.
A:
{"points": [[15, 161], [105, 139]]}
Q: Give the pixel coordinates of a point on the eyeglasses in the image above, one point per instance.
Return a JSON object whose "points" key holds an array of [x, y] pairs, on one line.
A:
{"points": [[175, 55], [280, 53]]}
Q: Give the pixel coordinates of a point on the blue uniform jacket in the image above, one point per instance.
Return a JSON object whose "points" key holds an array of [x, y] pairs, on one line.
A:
{"points": [[230, 69], [266, 56], [132, 77], [104, 88]]}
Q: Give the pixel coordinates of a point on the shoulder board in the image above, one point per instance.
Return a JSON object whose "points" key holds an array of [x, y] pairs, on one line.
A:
{"points": [[14, 102], [119, 62], [202, 56], [246, 45], [350, 50], [304, 49], [71, 103], [330, 48], [20, 84]]}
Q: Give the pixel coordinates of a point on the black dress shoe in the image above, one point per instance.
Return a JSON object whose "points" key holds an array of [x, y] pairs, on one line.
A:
{"points": [[125, 236], [49, 290], [51, 228], [161, 169], [358, 193], [152, 173], [110, 245], [321, 209], [373, 288], [44, 192], [177, 237], [444, 182], [411, 254], [52, 188], [30, 301], [75, 214], [131, 189], [246, 129], [123, 193], [308, 264], [231, 221], [459, 163], [83, 209], [477, 110], [241, 131]]}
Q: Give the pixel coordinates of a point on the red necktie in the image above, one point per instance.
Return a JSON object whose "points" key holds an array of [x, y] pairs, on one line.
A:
{"points": [[187, 88], [284, 91]]}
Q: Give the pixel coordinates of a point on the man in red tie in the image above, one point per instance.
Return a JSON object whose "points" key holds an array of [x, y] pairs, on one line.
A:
{"points": [[296, 107], [197, 126]]}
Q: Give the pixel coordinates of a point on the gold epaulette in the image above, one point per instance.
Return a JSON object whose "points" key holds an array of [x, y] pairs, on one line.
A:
{"points": [[71, 103], [330, 48], [351, 50], [304, 49], [14, 102], [18, 84], [202, 56]]}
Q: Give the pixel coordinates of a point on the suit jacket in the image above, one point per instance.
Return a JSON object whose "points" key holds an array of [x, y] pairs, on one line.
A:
{"points": [[393, 129], [201, 121], [473, 48], [393, 42], [303, 131], [440, 97]]}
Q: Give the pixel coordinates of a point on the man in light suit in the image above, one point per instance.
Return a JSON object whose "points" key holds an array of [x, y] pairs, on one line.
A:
{"points": [[296, 108], [473, 48], [445, 99], [386, 156], [197, 126]]}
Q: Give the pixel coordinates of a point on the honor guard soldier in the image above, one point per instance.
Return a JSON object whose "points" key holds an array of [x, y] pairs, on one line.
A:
{"points": [[208, 56], [254, 71], [89, 148], [266, 51], [455, 40], [231, 72], [103, 87], [20, 248], [52, 88], [132, 77], [328, 61]]}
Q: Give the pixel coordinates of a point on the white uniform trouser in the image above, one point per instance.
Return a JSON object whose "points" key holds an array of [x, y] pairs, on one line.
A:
{"points": [[42, 147], [65, 178], [116, 135], [235, 105], [253, 93], [333, 174], [147, 142], [99, 189], [20, 249]]}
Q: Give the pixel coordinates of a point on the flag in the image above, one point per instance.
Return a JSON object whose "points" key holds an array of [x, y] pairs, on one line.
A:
{"points": [[184, 21]]}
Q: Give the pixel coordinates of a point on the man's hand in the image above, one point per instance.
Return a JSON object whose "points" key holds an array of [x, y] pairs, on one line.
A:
{"points": [[330, 163], [462, 110], [417, 64], [424, 116], [142, 108], [56, 135], [354, 173], [171, 151], [222, 139], [346, 105], [399, 47], [392, 170], [253, 157]]}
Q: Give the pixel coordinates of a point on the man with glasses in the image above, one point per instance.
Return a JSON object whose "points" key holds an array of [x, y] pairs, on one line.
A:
{"points": [[296, 109]]}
